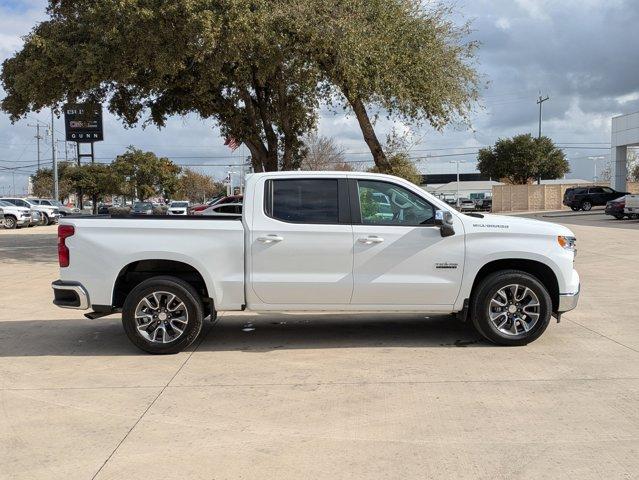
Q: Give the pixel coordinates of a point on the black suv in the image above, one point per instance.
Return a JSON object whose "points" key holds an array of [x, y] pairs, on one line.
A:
{"points": [[584, 198]]}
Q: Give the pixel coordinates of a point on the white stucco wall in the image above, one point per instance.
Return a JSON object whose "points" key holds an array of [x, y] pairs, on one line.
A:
{"points": [[625, 133]]}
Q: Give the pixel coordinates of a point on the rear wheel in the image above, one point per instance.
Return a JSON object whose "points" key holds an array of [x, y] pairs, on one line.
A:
{"points": [[586, 205], [619, 216], [162, 315], [44, 219], [511, 307]]}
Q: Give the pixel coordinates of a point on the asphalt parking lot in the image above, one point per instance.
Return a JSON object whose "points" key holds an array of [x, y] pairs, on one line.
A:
{"points": [[322, 396]]}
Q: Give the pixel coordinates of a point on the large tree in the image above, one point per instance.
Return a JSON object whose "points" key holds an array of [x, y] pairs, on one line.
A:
{"points": [[94, 180], [405, 58], [144, 175], [197, 187], [258, 68], [42, 182], [522, 159], [322, 153]]}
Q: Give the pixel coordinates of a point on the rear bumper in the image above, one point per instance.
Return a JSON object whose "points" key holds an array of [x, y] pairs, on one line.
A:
{"points": [[568, 301], [70, 295]]}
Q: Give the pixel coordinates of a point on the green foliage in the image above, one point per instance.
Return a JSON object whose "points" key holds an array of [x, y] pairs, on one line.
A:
{"points": [[94, 179], [399, 161], [42, 182], [143, 174], [522, 159], [197, 187], [258, 68]]}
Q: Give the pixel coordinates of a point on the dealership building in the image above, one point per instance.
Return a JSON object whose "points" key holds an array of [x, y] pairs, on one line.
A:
{"points": [[625, 133]]}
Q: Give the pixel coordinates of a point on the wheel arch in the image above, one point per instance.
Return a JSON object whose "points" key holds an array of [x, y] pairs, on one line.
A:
{"points": [[137, 271], [537, 269]]}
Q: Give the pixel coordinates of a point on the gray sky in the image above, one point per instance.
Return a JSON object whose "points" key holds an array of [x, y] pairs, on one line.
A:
{"points": [[582, 53]]}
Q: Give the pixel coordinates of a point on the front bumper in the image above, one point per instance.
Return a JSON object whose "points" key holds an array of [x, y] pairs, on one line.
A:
{"points": [[70, 295], [568, 301]]}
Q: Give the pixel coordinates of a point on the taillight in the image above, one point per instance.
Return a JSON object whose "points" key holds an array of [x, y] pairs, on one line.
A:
{"points": [[64, 232]]}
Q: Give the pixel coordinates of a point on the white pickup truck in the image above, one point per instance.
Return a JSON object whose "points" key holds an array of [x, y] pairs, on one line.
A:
{"points": [[319, 241]]}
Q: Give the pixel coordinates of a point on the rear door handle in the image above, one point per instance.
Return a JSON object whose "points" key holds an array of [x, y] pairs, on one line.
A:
{"points": [[270, 239], [371, 240]]}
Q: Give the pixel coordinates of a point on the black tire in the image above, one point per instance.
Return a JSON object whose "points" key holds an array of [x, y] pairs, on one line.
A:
{"points": [[586, 205], [185, 293], [10, 222], [44, 221], [574, 209], [619, 216], [480, 304]]}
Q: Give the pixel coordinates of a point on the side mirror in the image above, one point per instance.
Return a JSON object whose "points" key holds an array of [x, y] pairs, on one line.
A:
{"points": [[444, 220]]}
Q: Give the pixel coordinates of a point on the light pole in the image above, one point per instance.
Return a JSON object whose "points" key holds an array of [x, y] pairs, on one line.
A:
{"points": [[457, 162], [594, 162]]}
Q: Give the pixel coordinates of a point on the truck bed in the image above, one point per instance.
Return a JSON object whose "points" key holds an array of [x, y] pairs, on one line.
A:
{"points": [[102, 247]]}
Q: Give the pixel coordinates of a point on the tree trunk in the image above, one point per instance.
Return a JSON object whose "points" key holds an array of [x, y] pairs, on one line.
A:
{"points": [[94, 199], [379, 157]]}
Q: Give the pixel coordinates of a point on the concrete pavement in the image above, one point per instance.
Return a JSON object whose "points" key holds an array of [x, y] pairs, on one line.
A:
{"points": [[320, 396]]}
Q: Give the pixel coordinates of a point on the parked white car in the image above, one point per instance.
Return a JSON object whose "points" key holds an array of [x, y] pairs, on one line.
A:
{"points": [[315, 241], [15, 217], [50, 214], [63, 209], [632, 205], [178, 208]]}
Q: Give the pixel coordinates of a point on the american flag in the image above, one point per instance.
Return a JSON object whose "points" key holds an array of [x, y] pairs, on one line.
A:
{"points": [[232, 143]]}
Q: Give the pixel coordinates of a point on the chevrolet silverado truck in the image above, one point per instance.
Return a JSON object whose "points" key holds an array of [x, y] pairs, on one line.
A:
{"points": [[319, 241]]}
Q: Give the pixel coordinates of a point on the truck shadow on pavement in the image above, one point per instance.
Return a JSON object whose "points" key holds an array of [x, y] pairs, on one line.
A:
{"points": [[261, 333]]}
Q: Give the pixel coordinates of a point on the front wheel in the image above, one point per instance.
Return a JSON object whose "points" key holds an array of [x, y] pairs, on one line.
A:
{"points": [[619, 216], [162, 315], [10, 223], [511, 307], [574, 209], [44, 221]]}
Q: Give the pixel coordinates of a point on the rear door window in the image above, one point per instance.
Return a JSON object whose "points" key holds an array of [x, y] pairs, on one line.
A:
{"points": [[303, 200]]}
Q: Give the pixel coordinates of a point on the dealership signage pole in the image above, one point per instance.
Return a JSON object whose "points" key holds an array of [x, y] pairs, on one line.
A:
{"points": [[83, 124]]}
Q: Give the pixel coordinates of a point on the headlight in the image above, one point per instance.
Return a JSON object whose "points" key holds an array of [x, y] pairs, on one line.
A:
{"points": [[567, 243]]}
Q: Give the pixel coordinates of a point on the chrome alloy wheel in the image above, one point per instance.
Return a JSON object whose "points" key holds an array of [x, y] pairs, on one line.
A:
{"points": [[161, 317], [514, 309]]}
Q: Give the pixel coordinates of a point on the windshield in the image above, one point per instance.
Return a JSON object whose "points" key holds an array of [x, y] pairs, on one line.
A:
{"points": [[179, 204], [143, 206]]}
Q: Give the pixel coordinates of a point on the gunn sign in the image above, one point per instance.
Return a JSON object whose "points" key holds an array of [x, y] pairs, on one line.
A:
{"points": [[83, 122]]}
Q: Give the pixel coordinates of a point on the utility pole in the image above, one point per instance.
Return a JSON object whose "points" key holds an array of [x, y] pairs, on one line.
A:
{"points": [[53, 159], [38, 138], [540, 102]]}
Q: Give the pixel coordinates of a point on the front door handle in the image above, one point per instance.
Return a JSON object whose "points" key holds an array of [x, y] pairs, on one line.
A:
{"points": [[270, 239], [371, 240]]}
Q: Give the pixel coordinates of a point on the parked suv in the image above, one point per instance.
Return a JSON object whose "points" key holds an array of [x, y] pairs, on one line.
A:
{"points": [[584, 198], [15, 217], [64, 210], [51, 214]]}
